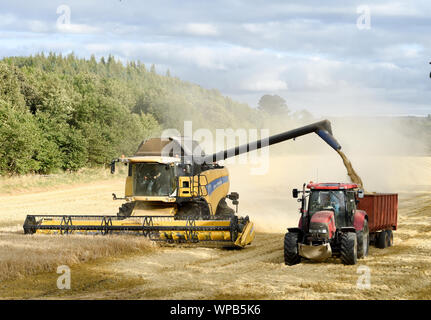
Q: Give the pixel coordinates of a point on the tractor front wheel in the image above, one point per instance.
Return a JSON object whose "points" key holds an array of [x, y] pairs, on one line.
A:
{"points": [[349, 248], [291, 256]]}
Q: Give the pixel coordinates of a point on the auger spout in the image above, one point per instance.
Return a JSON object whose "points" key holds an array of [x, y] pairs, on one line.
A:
{"points": [[322, 129]]}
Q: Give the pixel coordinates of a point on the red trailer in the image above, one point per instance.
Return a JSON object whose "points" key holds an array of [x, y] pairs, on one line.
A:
{"points": [[382, 211]]}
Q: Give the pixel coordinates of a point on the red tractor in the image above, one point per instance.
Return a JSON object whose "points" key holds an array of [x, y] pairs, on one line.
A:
{"points": [[335, 224]]}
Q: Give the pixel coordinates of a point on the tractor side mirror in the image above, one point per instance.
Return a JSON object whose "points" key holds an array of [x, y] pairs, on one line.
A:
{"points": [[295, 193], [360, 194]]}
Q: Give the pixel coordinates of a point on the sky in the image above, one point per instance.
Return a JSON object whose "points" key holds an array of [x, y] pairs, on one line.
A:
{"points": [[328, 57]]}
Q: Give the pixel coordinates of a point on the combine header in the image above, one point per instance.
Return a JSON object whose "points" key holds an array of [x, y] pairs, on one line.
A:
{"points": [[175, 193], [213, 230]]}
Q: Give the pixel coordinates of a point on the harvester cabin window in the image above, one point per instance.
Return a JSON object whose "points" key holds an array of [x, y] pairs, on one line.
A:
{"points": [[153, 179]]}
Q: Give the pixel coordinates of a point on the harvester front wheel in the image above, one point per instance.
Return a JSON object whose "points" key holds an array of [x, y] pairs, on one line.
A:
{"points": [[224, 209], [349, 248], [363, 240], [126, 209], [291, 256]]}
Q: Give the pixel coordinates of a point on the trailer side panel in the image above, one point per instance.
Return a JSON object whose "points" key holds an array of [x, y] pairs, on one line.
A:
{"points": [[382, 210]]}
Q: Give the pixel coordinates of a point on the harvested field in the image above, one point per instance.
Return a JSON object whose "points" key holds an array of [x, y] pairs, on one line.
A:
{"points": [[127, 268]]}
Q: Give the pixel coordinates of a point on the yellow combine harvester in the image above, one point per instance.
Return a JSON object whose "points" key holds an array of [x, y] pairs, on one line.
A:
{"points": [[176, 194]]}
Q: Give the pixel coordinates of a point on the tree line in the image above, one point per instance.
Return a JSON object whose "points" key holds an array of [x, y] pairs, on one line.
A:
{"points": [[64, 112]]}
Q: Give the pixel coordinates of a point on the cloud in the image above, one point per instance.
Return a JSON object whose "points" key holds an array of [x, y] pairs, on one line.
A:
{"points": [[77, 28], [7, 19], [200, 29], [261, 85], [38, 26], [311, 54], [395, 9]]}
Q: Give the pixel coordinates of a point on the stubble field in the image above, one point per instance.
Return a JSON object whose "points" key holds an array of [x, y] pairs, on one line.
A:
{"points": [[128, 267]]}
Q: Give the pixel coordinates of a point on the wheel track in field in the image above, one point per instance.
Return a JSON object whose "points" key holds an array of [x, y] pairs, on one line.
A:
{"points": [[195, 273]]}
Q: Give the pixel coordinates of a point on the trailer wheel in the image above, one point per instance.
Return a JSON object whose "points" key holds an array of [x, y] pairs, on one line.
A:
{"points": [[363, 240], [390, 238], [291, 256], [349, 248], [382, 239]]}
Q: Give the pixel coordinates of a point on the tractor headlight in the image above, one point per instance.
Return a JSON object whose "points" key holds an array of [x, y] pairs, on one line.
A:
{"points": [[318, 231]]}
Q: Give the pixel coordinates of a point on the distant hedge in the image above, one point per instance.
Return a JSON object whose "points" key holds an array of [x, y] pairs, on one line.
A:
{"points": [[67, 113]]}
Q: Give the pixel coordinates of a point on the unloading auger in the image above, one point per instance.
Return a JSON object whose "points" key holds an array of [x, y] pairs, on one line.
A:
{"points": [[175, 193]]}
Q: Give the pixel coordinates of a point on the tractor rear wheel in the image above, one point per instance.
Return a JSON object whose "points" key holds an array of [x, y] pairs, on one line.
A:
{"points": [[363, 240], [349, 248], [291, 256], [382, 239]]}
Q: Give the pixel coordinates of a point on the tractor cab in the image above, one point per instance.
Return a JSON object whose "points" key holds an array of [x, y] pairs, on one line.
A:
{"points": [[336, 197], [340, 199]]}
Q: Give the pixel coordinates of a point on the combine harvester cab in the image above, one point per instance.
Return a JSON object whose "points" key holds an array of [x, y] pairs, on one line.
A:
{"points": [[340, 221], [175, 193]]}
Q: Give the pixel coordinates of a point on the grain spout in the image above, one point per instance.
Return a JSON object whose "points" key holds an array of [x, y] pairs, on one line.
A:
{"points": [[354, 177]]}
